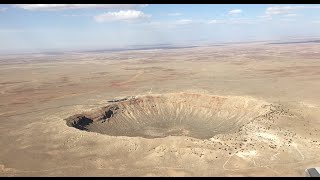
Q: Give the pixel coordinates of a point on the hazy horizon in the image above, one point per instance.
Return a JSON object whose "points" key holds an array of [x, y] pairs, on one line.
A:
{"points": [[70, 27]]}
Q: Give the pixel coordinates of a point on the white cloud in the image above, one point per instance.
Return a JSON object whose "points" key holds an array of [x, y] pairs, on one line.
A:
{"points": [[235, 12], [129, 15], [174, 14], [247, 21], [76, 15], [275, 10], [278, 10], [213, 21], [232, 21], [265, 17], [184, 21], [291, 15], [57, 7], [287, 20], [3, 9]]}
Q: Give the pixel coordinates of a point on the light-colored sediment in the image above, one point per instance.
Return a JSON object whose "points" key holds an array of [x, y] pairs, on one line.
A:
{"points": [[245, 110]]}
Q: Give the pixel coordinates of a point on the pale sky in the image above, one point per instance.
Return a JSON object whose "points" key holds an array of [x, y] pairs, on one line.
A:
{"points": [[38, 27]]}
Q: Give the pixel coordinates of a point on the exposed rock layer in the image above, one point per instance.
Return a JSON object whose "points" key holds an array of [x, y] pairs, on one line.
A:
{"points": [[177, 114]]}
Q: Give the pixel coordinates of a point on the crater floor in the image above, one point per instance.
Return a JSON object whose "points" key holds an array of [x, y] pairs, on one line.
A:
{"points": [[176, 114]]}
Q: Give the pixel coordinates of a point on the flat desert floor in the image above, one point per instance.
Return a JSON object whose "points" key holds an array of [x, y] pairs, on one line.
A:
{"points": [[243, 110]]}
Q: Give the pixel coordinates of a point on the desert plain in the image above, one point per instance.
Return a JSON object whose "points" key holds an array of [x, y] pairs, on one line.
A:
{"points": [[247, 109]]}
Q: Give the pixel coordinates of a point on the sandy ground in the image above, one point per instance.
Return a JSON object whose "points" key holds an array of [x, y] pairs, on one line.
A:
{"points": [[38, 91]]}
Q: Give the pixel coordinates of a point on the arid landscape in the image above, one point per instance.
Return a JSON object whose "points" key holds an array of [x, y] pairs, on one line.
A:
{"points": [[246, 109]]}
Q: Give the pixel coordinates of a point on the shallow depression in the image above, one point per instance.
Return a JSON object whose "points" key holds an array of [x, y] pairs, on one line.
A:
{"points": [[177, 114]]}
